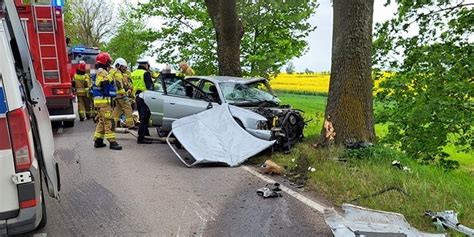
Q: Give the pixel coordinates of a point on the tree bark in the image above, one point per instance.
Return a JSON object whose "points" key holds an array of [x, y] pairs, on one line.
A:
{"points": [[229, 32], [350, 102]]}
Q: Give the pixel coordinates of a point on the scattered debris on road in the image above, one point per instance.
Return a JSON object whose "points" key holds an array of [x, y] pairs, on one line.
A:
{"points": [[398, 164], [449, 219], [359, 221], [270, 167], [270, 191], [202, 136]]}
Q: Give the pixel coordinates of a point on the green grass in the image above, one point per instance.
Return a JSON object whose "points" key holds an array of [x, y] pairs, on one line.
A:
{"points": [[426, 187], [314, 107]]}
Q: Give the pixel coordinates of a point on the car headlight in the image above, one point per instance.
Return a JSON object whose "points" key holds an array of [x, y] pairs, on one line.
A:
{"points": [[262, 125]]}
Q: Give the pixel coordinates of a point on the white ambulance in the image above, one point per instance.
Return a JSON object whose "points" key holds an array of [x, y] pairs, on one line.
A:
{"points": [[27, 165]]}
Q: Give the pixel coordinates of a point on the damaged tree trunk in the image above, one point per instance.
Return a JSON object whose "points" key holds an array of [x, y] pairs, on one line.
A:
{"points": [[229, 32], [349, 111]]}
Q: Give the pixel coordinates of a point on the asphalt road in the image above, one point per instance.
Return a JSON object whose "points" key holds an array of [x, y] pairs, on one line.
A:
{"points": [[145, 190]]}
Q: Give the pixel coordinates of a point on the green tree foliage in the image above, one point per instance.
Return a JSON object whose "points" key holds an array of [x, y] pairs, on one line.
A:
{"points": [[132, 38], [428, 101], [274, 32]]}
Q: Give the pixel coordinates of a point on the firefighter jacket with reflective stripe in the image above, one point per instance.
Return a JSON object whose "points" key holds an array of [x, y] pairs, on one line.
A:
{"points": [[121, 81], [104, 88], [138, 80], [82, 84]]}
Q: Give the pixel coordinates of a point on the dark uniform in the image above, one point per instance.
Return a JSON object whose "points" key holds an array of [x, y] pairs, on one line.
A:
{"points": [[142, 80]]}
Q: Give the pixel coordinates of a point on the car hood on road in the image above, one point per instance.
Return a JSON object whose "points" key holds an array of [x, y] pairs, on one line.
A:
{"points": [[213, 136]]}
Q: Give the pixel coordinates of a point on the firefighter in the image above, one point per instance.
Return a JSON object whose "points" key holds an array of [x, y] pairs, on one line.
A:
{"points": [[186, 70], [81, 83], [141, 80], [103, 92], [123, 104]]}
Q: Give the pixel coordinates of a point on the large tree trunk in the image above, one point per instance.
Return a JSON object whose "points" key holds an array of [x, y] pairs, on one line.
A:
{"points": [[350, 101], [229, 32]]}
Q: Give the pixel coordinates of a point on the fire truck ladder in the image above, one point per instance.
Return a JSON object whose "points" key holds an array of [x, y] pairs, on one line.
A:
{"points": [[44, 19]]}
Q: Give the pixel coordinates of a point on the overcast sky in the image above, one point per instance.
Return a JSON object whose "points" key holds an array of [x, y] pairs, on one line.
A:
{"points": [[318, 56]]}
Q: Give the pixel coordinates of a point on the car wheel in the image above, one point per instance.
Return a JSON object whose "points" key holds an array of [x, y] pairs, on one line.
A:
{"points": [[44, 216], [69, 124], [161, 133]]}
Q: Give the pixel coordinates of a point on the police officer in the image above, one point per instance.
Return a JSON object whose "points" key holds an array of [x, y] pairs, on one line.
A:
{"points": [[123, 103], [103, 92], [141, 81], [81, 83]]}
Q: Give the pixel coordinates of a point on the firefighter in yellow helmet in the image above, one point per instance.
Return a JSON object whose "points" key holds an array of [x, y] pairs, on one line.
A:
{"points": [[123, 104], [142, 81], [81, 83], [103, 92]]}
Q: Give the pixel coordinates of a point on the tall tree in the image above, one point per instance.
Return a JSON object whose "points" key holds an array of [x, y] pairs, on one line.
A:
{"points": [[132, 38], [350, 103], [290, 68], [427, 103], [229, 32], [275, 32], [89, 22]]}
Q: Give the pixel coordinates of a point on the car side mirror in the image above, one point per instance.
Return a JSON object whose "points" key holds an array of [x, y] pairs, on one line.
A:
{"points": [[209, 106]]}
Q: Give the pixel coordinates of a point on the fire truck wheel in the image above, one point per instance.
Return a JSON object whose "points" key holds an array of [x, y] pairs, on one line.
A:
{"points": [[69, 124]]}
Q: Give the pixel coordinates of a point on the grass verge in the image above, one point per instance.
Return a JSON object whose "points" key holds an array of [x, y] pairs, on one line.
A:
{"points": [[369, 171], [314, 107]]}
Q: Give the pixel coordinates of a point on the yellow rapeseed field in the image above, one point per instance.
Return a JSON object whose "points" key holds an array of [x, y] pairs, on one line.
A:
{"points": [[311, 84], [308, 84]]}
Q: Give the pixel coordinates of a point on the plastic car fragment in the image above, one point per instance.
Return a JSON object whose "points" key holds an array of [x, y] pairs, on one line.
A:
{"points": [[359, 221], [213, 136], [449, 219]]}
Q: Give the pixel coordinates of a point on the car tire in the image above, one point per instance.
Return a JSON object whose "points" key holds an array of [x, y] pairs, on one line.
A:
{"points": [[44, 216], [161, 133], [69, 124]]}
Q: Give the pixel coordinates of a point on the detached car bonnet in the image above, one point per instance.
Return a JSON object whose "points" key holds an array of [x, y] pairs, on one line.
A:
{"points": [[213, 136]]}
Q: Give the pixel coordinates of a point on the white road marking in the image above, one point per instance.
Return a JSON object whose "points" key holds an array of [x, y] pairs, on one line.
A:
{"points": [[312, 204]]}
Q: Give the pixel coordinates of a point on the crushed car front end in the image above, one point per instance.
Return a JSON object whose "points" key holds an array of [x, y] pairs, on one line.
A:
{"points": [[282, 123]]}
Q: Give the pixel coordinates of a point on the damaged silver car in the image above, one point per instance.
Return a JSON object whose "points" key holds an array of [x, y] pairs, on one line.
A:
{"points": [[174, 98]]}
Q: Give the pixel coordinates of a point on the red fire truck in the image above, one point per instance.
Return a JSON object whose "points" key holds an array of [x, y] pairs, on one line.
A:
{"points": [[43, 23]]}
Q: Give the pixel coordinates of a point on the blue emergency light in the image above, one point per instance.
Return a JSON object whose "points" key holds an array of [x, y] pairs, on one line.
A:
{"points": [[58, 3]]}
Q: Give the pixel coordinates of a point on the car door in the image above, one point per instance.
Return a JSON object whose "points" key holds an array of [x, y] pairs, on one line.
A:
{"points": [[36, 100], [181, 100], [154, 101]]}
